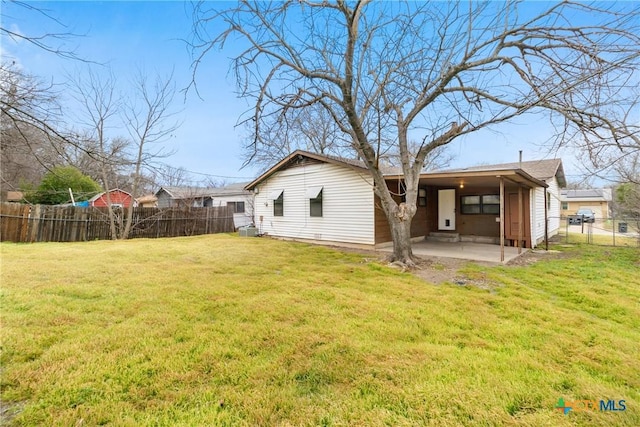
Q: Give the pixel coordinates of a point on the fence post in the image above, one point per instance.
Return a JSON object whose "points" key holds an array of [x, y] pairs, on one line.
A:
{"points": [[24, 224], [614, 231], [34, 223]]}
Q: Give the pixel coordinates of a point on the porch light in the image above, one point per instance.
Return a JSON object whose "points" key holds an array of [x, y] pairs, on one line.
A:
{"points": [[461, 185]]}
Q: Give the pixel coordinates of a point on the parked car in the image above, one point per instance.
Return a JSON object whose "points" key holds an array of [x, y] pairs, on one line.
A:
{"points": [[587, 215]]}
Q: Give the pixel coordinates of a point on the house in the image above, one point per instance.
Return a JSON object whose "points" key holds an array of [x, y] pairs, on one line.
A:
{"points": [[328, 199], [147, 201], [233, 195], [12, 196], [115, 197], [598, 200]]}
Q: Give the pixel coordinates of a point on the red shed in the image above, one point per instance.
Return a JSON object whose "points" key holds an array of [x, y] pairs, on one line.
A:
{"points": [[117, 197]]}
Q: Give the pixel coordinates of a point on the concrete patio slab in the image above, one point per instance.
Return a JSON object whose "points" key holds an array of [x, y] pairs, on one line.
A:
{"points": [[462, 250]]}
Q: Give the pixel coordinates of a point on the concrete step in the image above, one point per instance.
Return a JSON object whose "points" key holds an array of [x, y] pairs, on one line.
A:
{"points": [[480, 239], [436, 236]]}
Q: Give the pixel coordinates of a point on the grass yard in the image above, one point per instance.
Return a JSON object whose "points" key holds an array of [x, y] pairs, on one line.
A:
{"points": [[229, 331], [598, 239]]}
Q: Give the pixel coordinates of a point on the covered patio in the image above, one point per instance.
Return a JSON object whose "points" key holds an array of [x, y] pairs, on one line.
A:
{"points": [[482, 214], [483, 252]]}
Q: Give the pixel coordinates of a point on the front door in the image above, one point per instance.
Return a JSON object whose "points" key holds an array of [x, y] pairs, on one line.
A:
{"points": [[446, 209]]}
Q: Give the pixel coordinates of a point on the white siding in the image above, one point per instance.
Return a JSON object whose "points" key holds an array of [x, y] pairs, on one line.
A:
{"points": [[239, 219], [538, 201], [554, 209], [347, 205]]}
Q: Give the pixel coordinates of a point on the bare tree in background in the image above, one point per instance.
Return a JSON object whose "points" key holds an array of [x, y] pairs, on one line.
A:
{"points": [[51, 42], [150, 122], [146, 117], [427, 71], [29, 112], [311, 129], [100, 106], [31, 116], [169, 176]]}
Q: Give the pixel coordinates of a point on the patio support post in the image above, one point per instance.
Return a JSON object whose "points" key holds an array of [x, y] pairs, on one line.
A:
{"points": [[520, 219], [501, 219]]}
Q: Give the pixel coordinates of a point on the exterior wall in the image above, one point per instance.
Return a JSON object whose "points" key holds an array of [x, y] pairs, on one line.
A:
{"points": [[116, 197], [347, 204], [476, 224], [419, 224], [537, 215], [537, 212], [164, 199], [554, 207], [239, 219]]}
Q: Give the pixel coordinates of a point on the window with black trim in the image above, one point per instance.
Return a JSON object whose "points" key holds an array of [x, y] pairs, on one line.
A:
{"points": [[278, 205], [315, 205], [565, 206], [480, 205], [491, 204]]}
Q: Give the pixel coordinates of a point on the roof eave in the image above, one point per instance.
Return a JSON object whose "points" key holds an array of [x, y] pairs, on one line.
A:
{"points": [[278, 166]]}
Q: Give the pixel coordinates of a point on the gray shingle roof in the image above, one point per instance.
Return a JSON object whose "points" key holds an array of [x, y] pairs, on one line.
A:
{"points": [[191, 192], [540, 169], [591, 193]]}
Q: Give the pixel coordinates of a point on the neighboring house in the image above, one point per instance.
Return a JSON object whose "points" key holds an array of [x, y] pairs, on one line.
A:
{"points": [[171, 197], [325, 198], [598, 200], [147, 201], [117, 198], [231, 195], [12, 196]]}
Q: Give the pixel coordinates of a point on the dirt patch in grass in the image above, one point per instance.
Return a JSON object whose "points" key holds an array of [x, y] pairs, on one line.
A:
{"points": [[535, 255], [439, 270]]}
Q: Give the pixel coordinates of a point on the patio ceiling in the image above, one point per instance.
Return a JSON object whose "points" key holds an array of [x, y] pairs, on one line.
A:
{"points": [[512, 177]]}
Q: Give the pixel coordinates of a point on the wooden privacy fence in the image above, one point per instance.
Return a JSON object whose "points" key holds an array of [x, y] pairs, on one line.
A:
{"points": [[40, 223]]}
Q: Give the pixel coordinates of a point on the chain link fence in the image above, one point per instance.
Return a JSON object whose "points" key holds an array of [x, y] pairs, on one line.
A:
{"points": [[621, 231]]}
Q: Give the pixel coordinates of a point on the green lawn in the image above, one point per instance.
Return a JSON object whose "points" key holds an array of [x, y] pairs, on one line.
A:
{"points": [[222, 330]]}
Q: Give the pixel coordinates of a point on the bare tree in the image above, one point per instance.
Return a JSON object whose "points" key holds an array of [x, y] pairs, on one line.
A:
{"points": [[150, 122], [311, 129], [51, 41], [100, 106], [434, 71], [31, 116], [29, 112], [144, 115]]}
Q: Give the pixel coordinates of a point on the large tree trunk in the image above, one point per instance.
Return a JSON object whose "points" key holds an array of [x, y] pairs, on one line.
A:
{"points": [[399, 217], [401, 234]]}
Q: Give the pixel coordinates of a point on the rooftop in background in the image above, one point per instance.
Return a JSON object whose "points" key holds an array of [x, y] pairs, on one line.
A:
{"points": [[591, 194], [190, 192]]}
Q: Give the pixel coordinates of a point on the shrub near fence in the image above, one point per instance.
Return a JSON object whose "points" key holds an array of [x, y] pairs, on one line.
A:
{"points": [[40, 223]]}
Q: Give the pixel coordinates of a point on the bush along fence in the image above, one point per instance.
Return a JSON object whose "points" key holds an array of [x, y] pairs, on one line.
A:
{"points": [[613, 231], [40, 223]]}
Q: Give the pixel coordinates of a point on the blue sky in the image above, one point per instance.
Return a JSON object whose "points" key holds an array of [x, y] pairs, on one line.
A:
{"points": [[149, 35]]}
